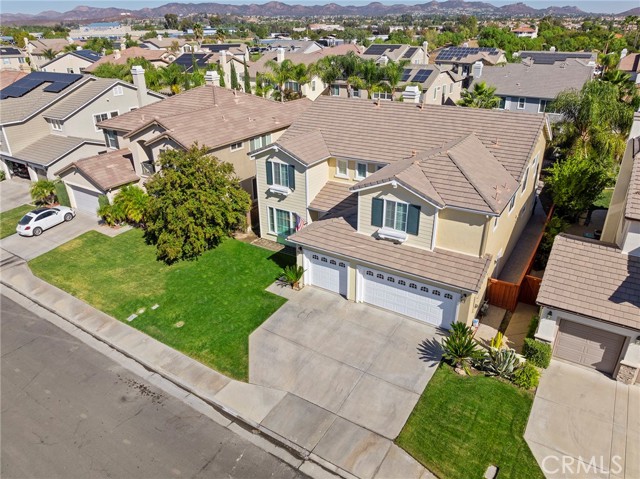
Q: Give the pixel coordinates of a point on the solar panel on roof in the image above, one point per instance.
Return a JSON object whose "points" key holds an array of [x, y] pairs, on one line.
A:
{"points": [[406, 73], [421, 76], [376, 49], [59, 81], [409, 53]]}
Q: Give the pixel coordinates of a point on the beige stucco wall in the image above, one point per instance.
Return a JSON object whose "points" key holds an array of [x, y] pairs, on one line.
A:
{"points": [[63, 63], [84, 151], [21, 135], [387, 192], [351, 171], [442, 80], [14, 64], [72, 177], [295, 202], [316, 179], [460, 231]]}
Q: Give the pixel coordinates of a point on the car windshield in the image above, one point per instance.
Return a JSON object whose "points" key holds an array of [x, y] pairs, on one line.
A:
{"points": [[26, 219]]}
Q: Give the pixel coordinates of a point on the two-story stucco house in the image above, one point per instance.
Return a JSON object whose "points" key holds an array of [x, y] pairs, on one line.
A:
{"points": [[590, 292], [71, 62], [407, 207], [49, 120], [12, 59]]}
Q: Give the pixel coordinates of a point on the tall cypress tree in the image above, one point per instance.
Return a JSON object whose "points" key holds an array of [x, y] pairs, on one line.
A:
{"points": [[247, 80], [234, 78]]}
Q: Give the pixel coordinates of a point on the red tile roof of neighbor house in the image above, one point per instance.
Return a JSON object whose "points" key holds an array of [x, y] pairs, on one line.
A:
{"points": [[122, 57], [211, 116], [630, 63], [108, 170], [594, 279], [7, 77]]}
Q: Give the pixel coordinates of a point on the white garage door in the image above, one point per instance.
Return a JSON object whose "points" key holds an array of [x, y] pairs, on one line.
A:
{"points": [[591, 347], [326, 272], [85, 200], [419, 301]]}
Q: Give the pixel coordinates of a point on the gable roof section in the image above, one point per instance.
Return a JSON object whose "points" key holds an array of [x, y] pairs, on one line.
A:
{"points": [[212, 116], [535, 80], [592, 279], [51, 148], [81, 97], [338, 235], [87, 55], [107, 171], [469, 55], [630, 63], [55, 44], [334, 197], [632, 209], [309, 148]]}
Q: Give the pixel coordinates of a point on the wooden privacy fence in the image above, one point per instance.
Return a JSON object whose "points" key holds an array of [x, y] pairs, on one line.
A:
{"points": [[507, 295]]}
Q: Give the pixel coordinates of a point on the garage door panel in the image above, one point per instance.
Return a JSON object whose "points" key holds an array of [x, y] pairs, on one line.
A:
{"points": [[327, 272], [85, 200], [588, 346]]}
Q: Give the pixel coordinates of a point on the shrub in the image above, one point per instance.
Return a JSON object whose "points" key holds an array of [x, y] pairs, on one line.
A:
{"points": [[43, 192], [537, 352], [3, 175], [132, 201], [526, 377], [292, 274], [500, 362], [533, 326], [111, 214], [460, 348], [61, 193]]}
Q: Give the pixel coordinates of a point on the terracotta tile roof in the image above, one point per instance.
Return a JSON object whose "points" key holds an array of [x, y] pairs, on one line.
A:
{"points": [[55, 44], [133, 52], [462, 173], [333, 198], [308, 147], [630, 63], [338, 235], [393, 131], [632, 209], [165, 42], [107, 171], [196, 115], [7, 77], [51, 148], [593, 279], [536, 80]]}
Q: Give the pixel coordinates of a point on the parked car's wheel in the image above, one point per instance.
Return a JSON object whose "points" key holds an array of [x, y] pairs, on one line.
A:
{"points": [[37, 231], [68, 217]]}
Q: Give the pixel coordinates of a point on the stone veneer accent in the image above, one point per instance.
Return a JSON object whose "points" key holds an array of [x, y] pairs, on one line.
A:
{"points": [[626, 374]]}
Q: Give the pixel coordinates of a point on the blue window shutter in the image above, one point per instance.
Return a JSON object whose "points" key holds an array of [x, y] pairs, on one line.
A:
{"points": [[292, 177], [269, 172], [377, 208], [413, 219]]}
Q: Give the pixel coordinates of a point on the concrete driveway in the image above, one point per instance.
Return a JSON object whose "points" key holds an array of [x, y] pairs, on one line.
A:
{"points": [[30, 247], [366, 365], [586, 421], [14, 193]]}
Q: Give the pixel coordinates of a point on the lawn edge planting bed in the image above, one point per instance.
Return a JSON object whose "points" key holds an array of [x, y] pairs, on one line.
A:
{"points": [[205, 308], [463, 424]]}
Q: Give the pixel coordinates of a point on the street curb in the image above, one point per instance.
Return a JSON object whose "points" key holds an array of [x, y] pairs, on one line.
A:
{"points": [[245, 423]]}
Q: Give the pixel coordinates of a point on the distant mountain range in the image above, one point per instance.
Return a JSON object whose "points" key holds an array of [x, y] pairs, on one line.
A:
{"points": [[273, 9]]}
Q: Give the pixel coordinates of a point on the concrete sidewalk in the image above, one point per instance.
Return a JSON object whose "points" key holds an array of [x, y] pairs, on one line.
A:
{"points": [[317, 436]]}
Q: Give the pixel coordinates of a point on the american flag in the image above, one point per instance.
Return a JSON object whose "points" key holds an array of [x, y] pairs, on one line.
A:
{"points": [[299, 222]]}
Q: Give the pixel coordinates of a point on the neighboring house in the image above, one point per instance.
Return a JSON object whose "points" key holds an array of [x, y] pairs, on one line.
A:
{"points": [[531, 87], [168, 44], [463, 58], [410, 208], [382, 53], [36, 49], [631, 64], [158, 58], [293, 46], [315, 87], [552, 56], [227, 122], [49, 120], [525, 32], [12, 59], [72, 62], [223, 58], [590, 292], [111, 30], [7, 77], [237, 50]]}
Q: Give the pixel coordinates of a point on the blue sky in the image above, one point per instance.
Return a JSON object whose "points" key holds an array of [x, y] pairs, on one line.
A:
{"points": [[36, 6]]}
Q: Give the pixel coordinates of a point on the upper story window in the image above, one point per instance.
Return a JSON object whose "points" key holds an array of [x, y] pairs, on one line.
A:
{"points": [[118, 90], [512, 203], [260, 141], [496, 220], [335, 90], [111, 139], [503, 103], [20, 60], [342, 169], [313, 85], [281, 174], [361, 171], [395, 215], [356, 93], [6, 61], [236, 146], [524, 181], [381, 95], [521, 103], [542, 107], [292, 85], [98, 117], [70, 70], [436, 92], [56, 125]]}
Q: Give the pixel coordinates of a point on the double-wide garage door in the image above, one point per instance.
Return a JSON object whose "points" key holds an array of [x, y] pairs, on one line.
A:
{"points": [[85, 200], [326, 272], [401, 295], [587, 346]]}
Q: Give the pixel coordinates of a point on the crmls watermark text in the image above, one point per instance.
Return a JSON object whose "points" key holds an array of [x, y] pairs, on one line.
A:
{"points": [[581, 466]]}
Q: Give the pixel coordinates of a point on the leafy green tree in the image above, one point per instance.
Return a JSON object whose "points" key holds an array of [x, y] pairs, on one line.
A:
{"points": [[171, 21], [247, 80], [282, 72], [49, 54], [234, 78], [172, 76], [577, 182], [98, 44], [480, 96], [195, 202], [149, 35], [129, 42]]}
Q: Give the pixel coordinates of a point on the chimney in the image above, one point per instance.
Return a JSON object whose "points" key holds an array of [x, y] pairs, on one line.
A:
{"points": [[137, 72], [116, 54], [159, 37], [465, 45], [78, 48], [212, 78], [280, 55], [476, 69], [552, 49], [425, 47], [226, 68], [123, 46], [623, 53], [411, 94], [384, 60]]}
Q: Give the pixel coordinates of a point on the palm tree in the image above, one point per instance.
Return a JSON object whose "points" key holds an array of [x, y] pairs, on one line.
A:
{"points": [[608, 61], [70, 48], [281, 72], [349, 66], [609, 38], [198, 32], [371, 75], [172, 76], [481, 96], [49, 54], [622, 80], [326, 69], [393, 73]]}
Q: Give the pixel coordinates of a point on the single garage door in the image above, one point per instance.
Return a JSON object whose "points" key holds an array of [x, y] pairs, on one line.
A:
{"points": [[419, 301], [591, 347], [85, 200], [326, 272]]}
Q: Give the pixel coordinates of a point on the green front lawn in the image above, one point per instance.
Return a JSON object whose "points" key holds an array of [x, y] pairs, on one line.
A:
{"points": [[603, 200], [463, 424], [207, 308], [9, 219]]}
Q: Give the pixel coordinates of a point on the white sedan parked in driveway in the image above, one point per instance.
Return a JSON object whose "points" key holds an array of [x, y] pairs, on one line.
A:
{"points": [[36, 221]]}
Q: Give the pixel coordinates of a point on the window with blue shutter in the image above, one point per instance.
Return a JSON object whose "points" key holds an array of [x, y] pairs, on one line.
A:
{"points": [[269, 172], [292, 177], [413, 220], [377, 211]]}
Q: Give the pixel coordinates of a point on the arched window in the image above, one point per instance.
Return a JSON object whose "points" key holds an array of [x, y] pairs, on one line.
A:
{"points": [[380, 276], [391, 279], [448, 296], [333, 261], [369, 273], [315, 256], [436, 292], [341, 264], [424, 289], [402, 282], [413, 285], [324, 260]]}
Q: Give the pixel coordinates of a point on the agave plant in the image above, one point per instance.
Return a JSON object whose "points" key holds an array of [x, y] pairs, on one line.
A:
{"points": [[293, 274], [460, 348], [500, 362]]}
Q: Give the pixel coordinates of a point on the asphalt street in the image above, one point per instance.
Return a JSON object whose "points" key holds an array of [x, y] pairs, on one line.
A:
{"points": [[68, 411]]}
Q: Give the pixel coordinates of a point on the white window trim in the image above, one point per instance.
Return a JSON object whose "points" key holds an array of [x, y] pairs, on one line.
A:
{"points": [[106, 134], [235, 147], [384, 216], [540, 109], [525, 180], [108, 113], [496, 221], [56, 125], [118, 90], [342, 175], [276, 161], [366, 168], [270, 226], [524, 103], [512, 202]]}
